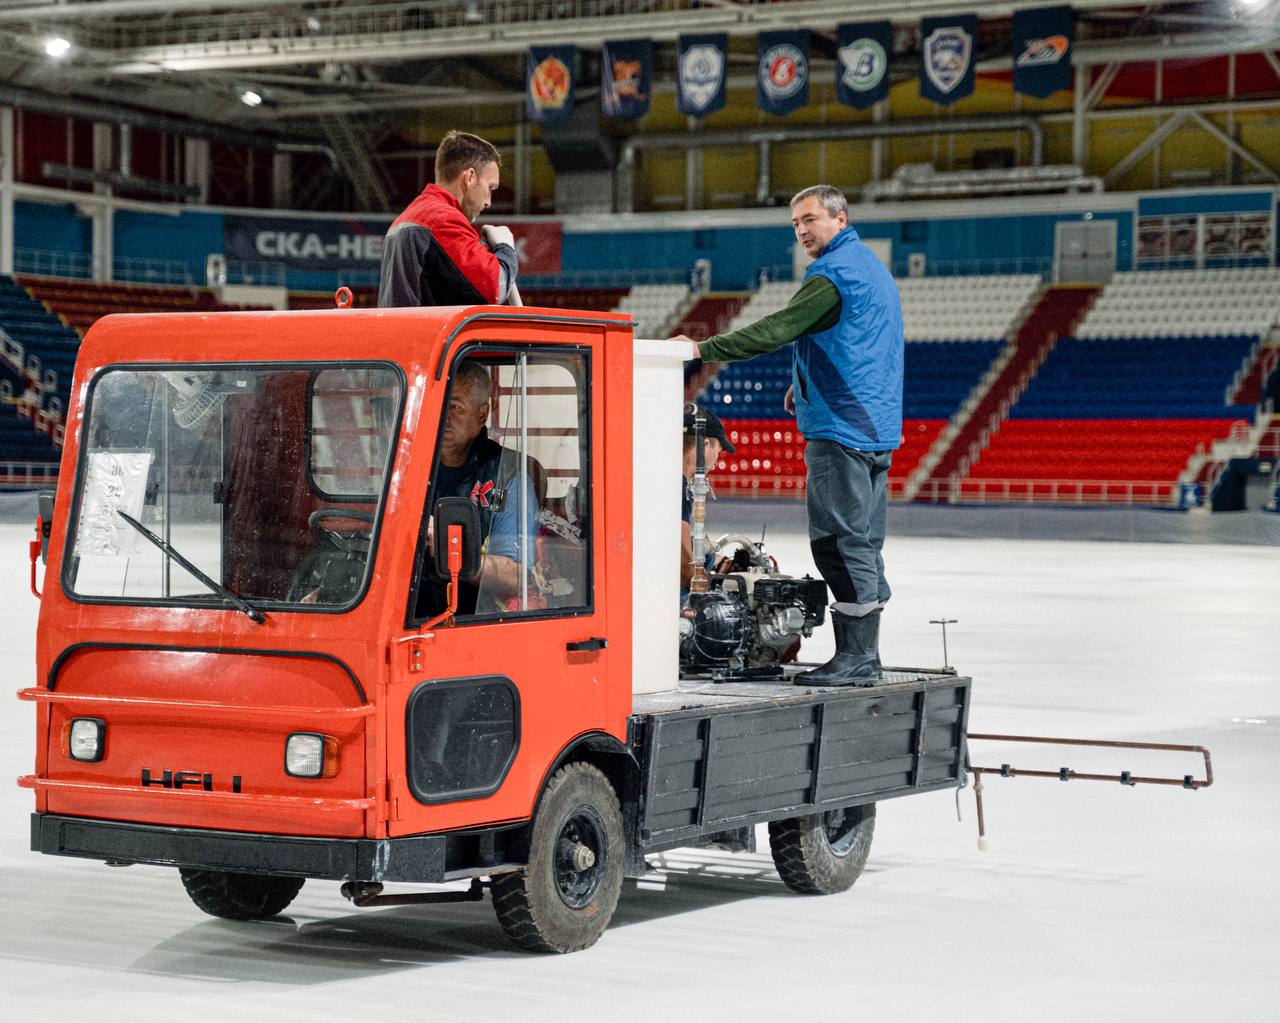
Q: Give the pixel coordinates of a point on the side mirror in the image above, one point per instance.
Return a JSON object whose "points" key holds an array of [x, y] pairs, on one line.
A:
{"points": [[44, 507], [457, 511]]}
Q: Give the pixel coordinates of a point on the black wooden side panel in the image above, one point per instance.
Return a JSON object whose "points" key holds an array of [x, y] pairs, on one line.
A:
{"points": [[726, 767]]}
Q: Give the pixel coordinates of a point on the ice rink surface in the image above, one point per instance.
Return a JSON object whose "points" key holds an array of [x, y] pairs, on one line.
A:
{"points": [[1093, 902]]}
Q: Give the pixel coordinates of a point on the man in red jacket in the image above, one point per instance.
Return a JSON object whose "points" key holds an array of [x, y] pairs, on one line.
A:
{"points": [[433, 254]]}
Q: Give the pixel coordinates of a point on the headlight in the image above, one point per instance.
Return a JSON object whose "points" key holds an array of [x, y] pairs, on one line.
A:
{"points": [[84, 739], [310, 755]]}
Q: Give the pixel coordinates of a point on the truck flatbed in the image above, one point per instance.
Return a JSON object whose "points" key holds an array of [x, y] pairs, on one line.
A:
{"points": [[717, 757], [702, 691]]}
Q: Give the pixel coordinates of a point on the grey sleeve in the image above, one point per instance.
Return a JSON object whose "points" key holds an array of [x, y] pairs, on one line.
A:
{"points": [[509, 265], [404, 251]]}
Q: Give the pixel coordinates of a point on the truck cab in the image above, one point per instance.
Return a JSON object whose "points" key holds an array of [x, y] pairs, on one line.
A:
{"points": [[257, 663]]}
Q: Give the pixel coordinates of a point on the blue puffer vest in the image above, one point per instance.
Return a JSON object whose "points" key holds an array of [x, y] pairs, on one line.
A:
{"points": [[848, 380]]}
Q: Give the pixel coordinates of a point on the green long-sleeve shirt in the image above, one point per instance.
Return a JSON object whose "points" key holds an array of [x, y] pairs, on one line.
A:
{"points": [[814, 308]]}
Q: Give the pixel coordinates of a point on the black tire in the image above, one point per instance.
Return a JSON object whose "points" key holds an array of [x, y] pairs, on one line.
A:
{"points": [[555, 904], [240, 896], [824, 853]]}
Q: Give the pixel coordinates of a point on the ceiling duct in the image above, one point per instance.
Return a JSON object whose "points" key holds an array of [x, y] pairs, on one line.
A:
{"points": [[765, 138], [581, 142]]}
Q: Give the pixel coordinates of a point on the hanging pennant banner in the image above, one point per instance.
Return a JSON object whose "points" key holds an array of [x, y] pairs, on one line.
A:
{"points": [[862, 63], [625, 74], [1042, 50], [700, 73], [550, 93], [782, 76], [946, 57]]}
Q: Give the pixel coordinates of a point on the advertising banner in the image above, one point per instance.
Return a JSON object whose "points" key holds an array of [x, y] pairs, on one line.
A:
{"points": [[862, 63], [550, 91], [782, 76], [626, 70], [700, 73], [301, 243], [947, 56], [1042, 50], [539, 247]]}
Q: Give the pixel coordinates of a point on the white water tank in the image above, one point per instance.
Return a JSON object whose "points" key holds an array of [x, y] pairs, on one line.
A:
{"points": [[658, 426]]}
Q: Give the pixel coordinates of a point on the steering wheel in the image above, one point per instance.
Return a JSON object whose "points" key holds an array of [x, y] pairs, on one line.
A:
{"points": [[348, 540]]}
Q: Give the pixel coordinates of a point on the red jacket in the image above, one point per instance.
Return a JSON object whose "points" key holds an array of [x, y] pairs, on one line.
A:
{"points": [[433, 255]]}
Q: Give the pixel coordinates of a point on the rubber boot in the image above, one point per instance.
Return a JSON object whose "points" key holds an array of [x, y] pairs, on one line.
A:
{"points": [[857, 658]]}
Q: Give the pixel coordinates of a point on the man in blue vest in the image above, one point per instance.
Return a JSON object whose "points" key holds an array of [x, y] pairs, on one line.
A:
{"points": [[846, 394]]}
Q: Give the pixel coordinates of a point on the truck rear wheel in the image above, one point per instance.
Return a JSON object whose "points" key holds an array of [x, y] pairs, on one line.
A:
{"points": [[566, 895], [825, 852], [240, 896]]}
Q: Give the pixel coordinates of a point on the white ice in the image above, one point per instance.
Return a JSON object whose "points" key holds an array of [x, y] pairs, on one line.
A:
{"points": [[1095, 902]]}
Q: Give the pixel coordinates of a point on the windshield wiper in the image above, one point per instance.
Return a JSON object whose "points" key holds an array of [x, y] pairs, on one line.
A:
{"points": [[241, 604]]}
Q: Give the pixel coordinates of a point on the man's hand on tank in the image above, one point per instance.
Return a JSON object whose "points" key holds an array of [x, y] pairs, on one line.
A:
{"points": [[495, 235], [685, 337], [789, 401]]}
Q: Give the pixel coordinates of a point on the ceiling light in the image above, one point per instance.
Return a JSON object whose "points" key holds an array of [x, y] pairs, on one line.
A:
{"points": [[57, 47], [313, 24], [250, 98]]}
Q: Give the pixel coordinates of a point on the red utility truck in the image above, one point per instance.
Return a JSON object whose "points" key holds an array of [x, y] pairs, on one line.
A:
{"points": [[283, 635]]}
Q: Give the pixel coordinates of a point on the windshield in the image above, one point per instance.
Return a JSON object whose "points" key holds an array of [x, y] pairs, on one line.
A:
{"points": [[267, 480]]}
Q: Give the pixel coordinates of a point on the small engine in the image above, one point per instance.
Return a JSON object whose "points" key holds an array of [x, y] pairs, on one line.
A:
{"points": [[752, 617]]}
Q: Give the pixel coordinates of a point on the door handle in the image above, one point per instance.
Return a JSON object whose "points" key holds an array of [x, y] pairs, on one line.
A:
{"points": [[594, 643]]}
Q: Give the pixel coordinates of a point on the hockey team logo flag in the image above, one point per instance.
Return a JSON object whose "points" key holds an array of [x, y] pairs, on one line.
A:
{"points": [[550, 92], [946, 57], [625, 74], [700, 72], [782, 82], [1042, 50], [862, 63]]}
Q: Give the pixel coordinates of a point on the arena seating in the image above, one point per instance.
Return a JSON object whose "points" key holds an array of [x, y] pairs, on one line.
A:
{"points": [[1113, 414], [1112, 420], [1200, 303], [938, 376], [656, 308], [769, 298], [962, 308], [602, 299], [770, 459], [37, 356], [80, 303], [933, 308], [712, 313]]}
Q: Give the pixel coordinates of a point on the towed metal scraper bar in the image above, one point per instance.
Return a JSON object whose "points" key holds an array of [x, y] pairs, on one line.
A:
{"points": [[1187, 781]]}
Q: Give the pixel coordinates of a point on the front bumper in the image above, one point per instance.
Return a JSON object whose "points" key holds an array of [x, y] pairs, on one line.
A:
{"points": [[426, 859]]}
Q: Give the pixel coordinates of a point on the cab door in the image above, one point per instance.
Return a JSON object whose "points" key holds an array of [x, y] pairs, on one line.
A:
{"points": [[481, 706]]}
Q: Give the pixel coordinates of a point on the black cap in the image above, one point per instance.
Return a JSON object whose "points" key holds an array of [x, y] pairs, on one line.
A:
{"points": [[711, 427]]}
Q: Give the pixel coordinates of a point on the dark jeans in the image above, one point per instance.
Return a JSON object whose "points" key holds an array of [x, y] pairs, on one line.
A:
{"points": [[846, 495]]}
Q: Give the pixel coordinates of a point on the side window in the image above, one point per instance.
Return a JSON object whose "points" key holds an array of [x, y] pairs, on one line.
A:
{"points": [[515, 440]]}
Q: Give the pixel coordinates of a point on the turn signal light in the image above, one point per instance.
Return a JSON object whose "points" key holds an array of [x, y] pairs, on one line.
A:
{"points": [[310, 755]]}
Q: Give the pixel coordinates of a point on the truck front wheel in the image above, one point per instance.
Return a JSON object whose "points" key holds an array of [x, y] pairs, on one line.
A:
{"points": [[823, 853], [240, 896], [565, 897]]}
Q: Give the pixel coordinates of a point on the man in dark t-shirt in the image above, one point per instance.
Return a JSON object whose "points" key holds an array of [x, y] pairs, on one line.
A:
{"points": [[474, 466]]}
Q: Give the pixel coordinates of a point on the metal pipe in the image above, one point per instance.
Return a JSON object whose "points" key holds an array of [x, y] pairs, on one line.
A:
{"points": [[523, 477], [762, 173], [110, 113], [1124, 777], [890, 129], [7, 139]]}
